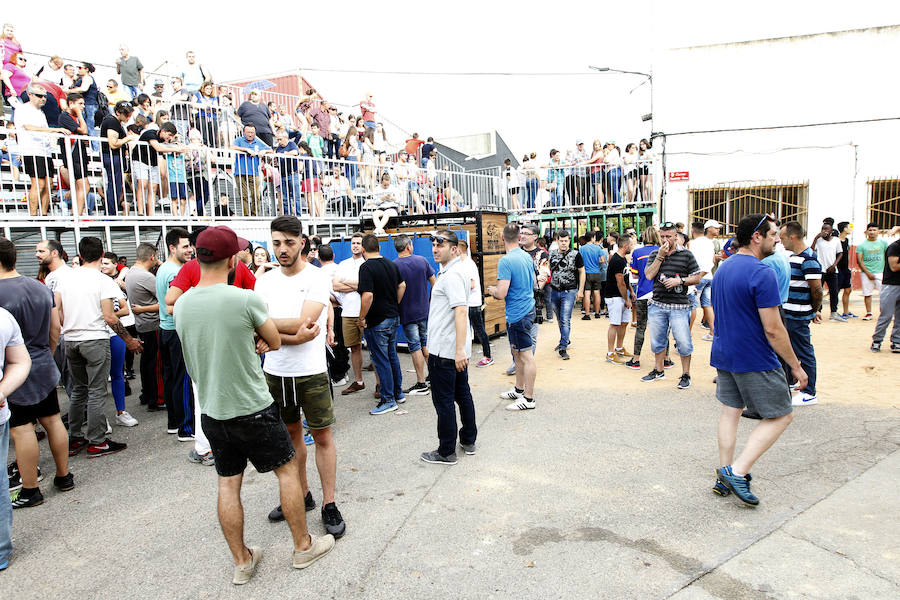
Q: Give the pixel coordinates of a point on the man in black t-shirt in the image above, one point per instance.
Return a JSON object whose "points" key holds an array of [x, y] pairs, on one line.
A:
{"points": [[672, 269], [890, 298], [75, 152], [619, 297], [381, 288], [566, 276]]}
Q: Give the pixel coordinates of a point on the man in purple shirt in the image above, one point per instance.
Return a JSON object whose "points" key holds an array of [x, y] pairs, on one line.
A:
{"points": [[418, 275]]}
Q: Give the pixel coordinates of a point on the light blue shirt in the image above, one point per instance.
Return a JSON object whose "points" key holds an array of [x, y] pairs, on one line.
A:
{"points": [[782, 266], [164, 276]]}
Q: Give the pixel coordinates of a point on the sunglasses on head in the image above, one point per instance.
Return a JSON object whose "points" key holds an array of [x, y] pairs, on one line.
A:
{"points": [[766, 217], [667, 225]]}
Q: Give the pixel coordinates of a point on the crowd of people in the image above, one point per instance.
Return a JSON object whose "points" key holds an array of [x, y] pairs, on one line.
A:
{"points": [[260, 386]]}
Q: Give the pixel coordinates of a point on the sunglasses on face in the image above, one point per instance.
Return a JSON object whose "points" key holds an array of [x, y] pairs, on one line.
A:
{"points": [[40, 95], [438, 239]]}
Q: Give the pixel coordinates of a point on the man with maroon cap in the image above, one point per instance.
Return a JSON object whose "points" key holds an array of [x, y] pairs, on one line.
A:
{"points": [[239, 417]]}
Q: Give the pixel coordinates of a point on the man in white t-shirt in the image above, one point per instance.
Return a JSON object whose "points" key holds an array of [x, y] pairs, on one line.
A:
{"points": [[86, 308], [296, 295], [828, 252], [15, 364], [345, 281], [476, 300], [49, 254], [337, 355], [702, 246], [36, 148]]}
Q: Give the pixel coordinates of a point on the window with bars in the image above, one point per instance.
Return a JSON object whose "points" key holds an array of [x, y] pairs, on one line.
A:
{"points": [[729, 204], [884, 202]]}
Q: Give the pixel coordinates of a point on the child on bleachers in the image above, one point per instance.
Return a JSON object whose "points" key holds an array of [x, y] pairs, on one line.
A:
{"points": [[9, 151]]}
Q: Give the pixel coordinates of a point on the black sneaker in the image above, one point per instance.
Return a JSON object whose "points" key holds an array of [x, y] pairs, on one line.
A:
{"points": [[64, 483], [597, 315], [895, 348], [876, 347], [668, 364], [309, 502], [586, 317], [633, 364], [129, 373], [420, 389], [276, 514], [685, 382], [15, 478], [564, 355], [22, 501], [107, 447], [76, 445], [704, 324], [653, 376], [334, 522]]}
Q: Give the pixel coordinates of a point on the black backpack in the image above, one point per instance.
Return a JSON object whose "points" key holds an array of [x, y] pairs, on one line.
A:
{"points": [[102, 109]]}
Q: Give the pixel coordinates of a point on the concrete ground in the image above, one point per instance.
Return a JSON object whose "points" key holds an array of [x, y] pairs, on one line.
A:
{"points": [[602, 492]]}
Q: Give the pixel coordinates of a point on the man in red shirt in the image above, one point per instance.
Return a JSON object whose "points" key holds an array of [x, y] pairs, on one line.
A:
{"points": [[413, 143], [368, 115]]}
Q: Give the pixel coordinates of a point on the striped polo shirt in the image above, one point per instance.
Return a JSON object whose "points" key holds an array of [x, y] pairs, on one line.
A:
{"points": [[804, 268]]}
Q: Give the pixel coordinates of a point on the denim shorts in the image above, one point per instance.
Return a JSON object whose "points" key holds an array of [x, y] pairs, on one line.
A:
{"points": [[416, 335], [661, 320], [520, 332], [703, 289], [763, 392], [259, 437], [694, 299]]}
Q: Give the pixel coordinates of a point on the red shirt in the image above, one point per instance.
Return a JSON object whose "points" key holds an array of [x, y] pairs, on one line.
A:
{"points": [[412, 145], [189, 276]]}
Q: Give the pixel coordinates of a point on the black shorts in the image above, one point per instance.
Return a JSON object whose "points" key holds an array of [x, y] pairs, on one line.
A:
{"points": [[38, 166], [593, 282], [24, 415], [260, 437], [844, 276]]}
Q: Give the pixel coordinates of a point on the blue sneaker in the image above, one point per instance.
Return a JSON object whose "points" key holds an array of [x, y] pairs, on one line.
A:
{"points": [[739, 485], [384, 407], [851, 316], [720, 489], [308, 439], [303, 422]]}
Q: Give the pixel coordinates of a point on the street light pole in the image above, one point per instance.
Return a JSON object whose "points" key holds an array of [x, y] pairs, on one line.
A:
{"points": [[649, 77]]}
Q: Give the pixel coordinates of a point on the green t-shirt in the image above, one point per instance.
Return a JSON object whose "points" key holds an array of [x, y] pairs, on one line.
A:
{"points": [[216, 326], [164, 276], [873, 255]]}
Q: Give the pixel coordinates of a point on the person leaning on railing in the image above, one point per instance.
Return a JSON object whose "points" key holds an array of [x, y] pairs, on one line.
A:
{"points": [[246, 168], [75, 152]]}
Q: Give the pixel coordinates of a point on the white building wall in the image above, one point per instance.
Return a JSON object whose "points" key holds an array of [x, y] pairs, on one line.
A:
{"points": [[790, 81]]}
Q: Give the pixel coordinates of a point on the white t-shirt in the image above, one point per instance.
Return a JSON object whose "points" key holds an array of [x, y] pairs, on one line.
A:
{"points": [[55, 277], [827, 250], [31, 143], [81, 293], [128, 319], [10, 335], [470, 270], [348, 270], [329, 270], [703, 251], [284, 297]]}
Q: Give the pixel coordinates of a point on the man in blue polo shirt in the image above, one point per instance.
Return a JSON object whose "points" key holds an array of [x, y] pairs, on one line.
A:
{"points": [[246, 168], [596, 260], [515, 285], [748, 334]]}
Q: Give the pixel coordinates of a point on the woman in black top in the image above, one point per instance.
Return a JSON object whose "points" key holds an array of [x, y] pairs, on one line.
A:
{"points": [[86, 86], [112, 151]]}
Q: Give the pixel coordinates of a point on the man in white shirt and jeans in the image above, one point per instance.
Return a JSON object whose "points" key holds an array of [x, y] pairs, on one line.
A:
{"points": [[85, 310], [345, 282], [828, 251], [705, 254], [34, 145]]}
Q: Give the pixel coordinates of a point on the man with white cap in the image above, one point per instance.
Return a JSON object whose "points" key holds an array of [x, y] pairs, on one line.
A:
{"points": [[707, 255], [582, 182]]}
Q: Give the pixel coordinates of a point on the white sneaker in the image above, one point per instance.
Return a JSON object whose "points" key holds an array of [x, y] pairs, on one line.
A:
{"points": [[522, 404], [511, 394], [838, 318], [803, 399], [342, 381], [126, 419], [707, 338]]}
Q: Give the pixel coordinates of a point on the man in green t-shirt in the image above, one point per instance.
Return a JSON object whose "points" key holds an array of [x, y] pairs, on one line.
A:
{"points": [[239, 416], [870, 258]]}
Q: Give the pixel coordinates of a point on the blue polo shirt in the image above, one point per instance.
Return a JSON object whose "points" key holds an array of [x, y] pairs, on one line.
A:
{"points": [[782, 266], [590, 254], [517, 268], [245, 164]]}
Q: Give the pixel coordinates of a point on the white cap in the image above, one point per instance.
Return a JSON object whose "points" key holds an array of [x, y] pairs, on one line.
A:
{"points": [[712, 223]]}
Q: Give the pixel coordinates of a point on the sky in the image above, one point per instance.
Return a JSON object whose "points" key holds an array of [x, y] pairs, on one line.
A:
{"points": [[533, 113]]}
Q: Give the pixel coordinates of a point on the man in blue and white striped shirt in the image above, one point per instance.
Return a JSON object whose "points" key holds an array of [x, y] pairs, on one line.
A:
{"points": [[803, 305]]}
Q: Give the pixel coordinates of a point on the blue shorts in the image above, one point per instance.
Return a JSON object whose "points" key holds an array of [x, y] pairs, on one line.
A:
{"points": [[178, 190], [678, 320], [416, 335], [695, 303], [520, 332], [703, 292]]}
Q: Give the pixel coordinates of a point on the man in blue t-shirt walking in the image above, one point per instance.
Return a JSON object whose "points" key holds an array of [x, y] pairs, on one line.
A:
{"points": [[749, 337], [515, 285]]}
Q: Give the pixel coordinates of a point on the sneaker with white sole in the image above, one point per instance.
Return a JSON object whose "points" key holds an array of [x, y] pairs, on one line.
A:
{"points": [[243, 573], [419, 389], [707, 338], [485, 362], [868, 317], [803, 399], [125, 419], [206, 460], [511, 394], [653, 375], [341, 381], [319, 547], [837, 318], [522, 404]]}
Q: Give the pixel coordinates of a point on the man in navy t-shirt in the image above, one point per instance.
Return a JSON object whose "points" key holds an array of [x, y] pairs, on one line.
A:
{"points": [[515, 285], [749, 332], [418, 275]]}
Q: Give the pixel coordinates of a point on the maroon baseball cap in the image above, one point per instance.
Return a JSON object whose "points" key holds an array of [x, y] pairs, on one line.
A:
{"points": [[218, 243]]}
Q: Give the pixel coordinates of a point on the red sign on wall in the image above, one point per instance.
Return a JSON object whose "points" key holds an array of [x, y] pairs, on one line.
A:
{"points": [[679, 175]]}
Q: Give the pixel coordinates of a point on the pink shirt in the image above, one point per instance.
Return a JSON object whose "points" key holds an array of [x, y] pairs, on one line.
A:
{"points": [[9, 47], [19, 78]]}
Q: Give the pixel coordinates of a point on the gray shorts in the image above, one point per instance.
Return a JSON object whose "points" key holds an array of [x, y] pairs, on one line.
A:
{"points": [[763, 392]]}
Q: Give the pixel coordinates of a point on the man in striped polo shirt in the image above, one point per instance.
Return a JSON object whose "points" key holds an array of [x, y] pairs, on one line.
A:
{"points": [[804, 305]]}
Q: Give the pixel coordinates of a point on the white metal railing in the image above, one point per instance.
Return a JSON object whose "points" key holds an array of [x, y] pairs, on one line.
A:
{"points": [[179, 181]]}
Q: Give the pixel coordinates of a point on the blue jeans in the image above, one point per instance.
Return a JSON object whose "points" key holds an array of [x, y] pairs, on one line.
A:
{"points": [[450, 387], [117, 370], [135, 90], [613, 183], [115, 182], [89, 111], [531, 188], [291, 196], [548, 304], [382, 342], [703, 292], [798, 331], [352, 171], [556, 194], [5, 505], [661, 320], [416, 335], [563, 301]]}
